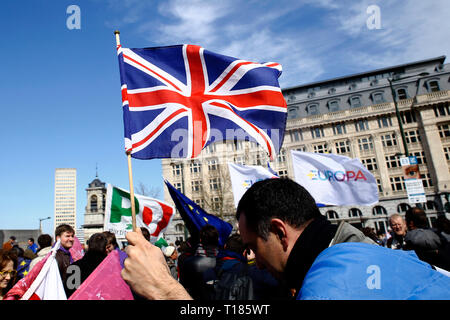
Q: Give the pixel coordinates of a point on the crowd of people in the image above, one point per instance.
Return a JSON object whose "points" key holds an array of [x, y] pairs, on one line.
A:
{"points": [[284, 249]]}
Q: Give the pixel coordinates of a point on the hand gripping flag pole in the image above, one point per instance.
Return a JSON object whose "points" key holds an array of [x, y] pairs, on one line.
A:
{"points": [[130, 173]]}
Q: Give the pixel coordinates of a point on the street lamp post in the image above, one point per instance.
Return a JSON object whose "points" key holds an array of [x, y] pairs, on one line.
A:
{"points": [[397, 112], [40, 223]]}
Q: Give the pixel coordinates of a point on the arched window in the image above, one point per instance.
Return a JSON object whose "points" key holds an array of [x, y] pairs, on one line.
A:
{"points": [[403, 207], [94, 205], [377, 97], [433, 86], [354, 212], [333, 105], [355, 101], [430, 205], [331, 214], [292, 112], [312, 109], [402, 94], [379, 210], [179, 227]]}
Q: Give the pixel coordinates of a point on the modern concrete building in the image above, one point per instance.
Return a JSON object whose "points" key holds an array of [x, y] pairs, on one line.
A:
{"points": [[355, 116], [65, 197]]}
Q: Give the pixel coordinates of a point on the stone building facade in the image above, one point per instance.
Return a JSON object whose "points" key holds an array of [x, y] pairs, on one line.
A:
{"points": [[353, 116], [95, 208]]}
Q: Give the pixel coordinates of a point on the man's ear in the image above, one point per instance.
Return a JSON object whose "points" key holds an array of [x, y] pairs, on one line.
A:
{"points": [[278, 227]]}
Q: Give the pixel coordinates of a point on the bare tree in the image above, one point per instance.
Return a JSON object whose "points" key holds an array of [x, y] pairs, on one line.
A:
{"points": [[152, 192]]}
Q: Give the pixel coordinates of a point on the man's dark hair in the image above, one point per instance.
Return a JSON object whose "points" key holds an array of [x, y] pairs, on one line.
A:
{"points": [[12, 238], [111, 238], [31, 239], [63, 228], [44, 241], [145, 233], [235, 244], [209, 236], [417, 216], [280, 198], [97, 243]]}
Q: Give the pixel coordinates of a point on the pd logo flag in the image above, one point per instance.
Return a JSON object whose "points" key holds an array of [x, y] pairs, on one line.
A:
{"points": [[242, 177], [334, 180], [152, 214]]}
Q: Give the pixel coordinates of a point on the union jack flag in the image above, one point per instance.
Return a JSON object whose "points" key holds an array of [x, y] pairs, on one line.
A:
{"points": [[178, 99]]}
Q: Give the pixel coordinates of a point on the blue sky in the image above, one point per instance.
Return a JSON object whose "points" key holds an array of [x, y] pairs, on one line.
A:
{"points": [[60, 88]]}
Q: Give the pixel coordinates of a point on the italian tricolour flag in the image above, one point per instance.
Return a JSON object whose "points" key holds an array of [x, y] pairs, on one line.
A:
{"points": [[155, 215]]}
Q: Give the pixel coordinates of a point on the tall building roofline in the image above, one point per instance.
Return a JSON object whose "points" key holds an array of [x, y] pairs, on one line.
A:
{"points": [[439, 59]]}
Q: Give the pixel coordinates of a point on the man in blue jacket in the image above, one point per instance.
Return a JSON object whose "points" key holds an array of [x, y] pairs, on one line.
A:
{"points": [[280, 222]]}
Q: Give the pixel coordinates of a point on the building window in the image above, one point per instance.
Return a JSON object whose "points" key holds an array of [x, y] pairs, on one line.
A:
{"points": [[301, 148], [412, 136], [361, 125], [213, 165], [282, 173], [342, 146], [332, 91], [195, 167], [333, 105], [214, 184], [392, 162], [331, 214], [354, 212], [365, 144], [420, 155], [379, 210], [408, 116], [177, 185], [403, 207], [317, 132], [384, 122], [402, 94], [380, 188], [389, 140], [292, 112], [312, 109], [94, 206], [370, 163], [211, 148], [377, 97], [355, 102], [215, 203], [281, 158], [321, 148], [397, 183], [339, 128], [447, 153], [296, 135], [426, 180], [444, 130], [176, 170], [200, 202], [442, 110], [196, 185], [433, 86]]}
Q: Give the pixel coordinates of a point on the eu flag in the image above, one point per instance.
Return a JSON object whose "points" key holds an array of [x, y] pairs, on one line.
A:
{"points": [[195, 217]]}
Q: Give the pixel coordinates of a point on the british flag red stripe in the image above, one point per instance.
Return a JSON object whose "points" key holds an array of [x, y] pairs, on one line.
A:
{"points": [[195, 98]]}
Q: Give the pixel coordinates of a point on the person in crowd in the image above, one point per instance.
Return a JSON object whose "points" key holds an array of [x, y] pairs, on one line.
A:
{"points": [[24, 258], [399, 229], [204, 258], [45, 246], [8, 245], [171, 255], [8, 266], [65, 234], [146, 233], [31, 245], [443, 228], [370, 233], [92, 258], [280, 222], [111, 243], [424, 241]]}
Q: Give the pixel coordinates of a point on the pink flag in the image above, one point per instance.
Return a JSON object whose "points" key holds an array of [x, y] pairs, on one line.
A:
{"points": [[105, 283], [77, 250]]}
